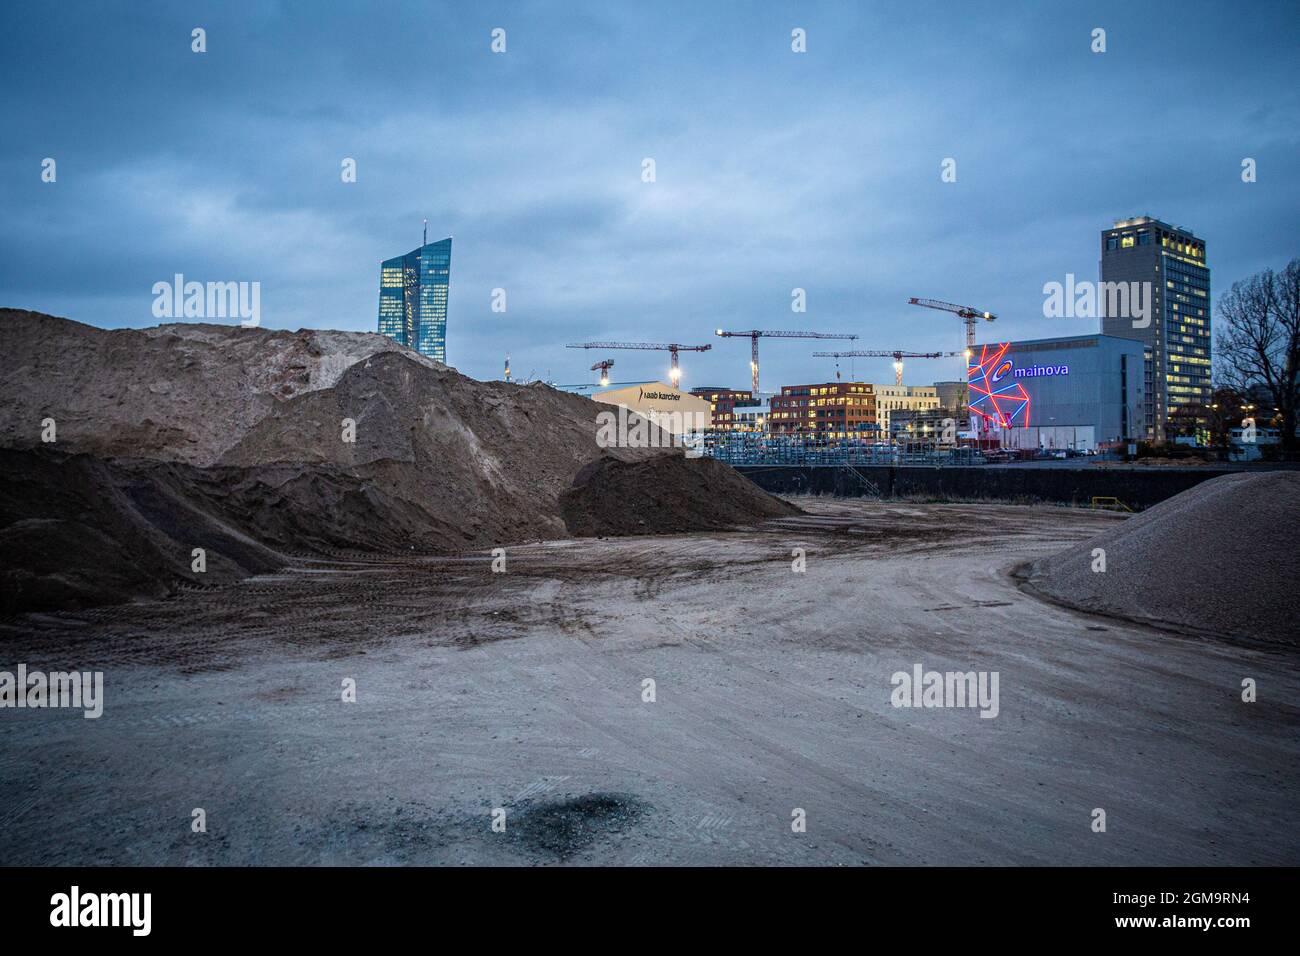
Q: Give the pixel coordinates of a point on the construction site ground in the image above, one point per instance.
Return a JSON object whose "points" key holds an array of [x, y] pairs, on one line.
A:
{"points": [[525, 690]]}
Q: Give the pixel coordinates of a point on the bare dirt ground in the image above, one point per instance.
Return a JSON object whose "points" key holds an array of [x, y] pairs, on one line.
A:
{"points": [[523, 690]]}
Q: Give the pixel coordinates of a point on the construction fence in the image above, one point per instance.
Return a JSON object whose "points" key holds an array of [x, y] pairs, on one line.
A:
{"points": [[749, 448]]}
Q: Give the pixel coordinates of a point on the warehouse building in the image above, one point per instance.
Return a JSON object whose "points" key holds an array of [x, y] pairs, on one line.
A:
{"points": [[670, 408], [1081, 392]]}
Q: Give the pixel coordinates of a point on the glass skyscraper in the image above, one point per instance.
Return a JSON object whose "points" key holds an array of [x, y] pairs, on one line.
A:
{"points": [[1176, 336], [413, 298]]}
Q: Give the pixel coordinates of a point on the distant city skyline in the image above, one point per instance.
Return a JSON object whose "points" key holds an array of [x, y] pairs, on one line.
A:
{"points": [[773, 170]]}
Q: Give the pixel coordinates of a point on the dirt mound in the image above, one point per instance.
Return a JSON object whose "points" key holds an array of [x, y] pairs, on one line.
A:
{"points": [[177, 392], [664, 495], [78, 531], [488, 460], [254, 444], [1219, 558]]}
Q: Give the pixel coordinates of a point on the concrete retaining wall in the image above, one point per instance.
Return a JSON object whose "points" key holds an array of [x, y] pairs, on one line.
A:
{"points": [[1137, 488]]}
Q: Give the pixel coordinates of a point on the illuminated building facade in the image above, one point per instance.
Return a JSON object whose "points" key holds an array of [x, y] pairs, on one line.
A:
{"points": [[828, 410], [732, 407], [895, 398], [1079, 392], [413, 298], [1176, 335]]}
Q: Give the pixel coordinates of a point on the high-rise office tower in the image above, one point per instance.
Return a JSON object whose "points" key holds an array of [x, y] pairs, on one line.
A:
{"points": [[413, 298], [1175, 331]]}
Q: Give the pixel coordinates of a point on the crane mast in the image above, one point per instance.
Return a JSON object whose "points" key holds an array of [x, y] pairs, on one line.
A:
{"points": [[897, 355], [966, 313], [755, 334], [672, 348]]}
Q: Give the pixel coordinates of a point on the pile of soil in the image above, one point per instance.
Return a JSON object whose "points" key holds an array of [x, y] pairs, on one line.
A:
{"points": [[256, 444], [176, 392], [487, 461], [78, 531], [664, 495], [1219, 559]]}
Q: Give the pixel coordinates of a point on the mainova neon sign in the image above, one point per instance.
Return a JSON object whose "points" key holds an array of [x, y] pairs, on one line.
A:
{"points": [[995, 397], [1034, 371]]}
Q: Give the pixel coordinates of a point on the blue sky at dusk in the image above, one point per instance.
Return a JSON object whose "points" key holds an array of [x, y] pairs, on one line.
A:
{"points": [[775, 170]]}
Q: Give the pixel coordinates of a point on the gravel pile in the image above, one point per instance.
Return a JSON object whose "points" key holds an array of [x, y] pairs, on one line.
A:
{"points": [[1220, 558]]}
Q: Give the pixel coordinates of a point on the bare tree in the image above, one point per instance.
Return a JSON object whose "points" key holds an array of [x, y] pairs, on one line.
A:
{"points": [[1259, 341]]}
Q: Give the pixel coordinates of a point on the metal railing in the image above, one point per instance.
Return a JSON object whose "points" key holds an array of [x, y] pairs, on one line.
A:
{"points": [[750, 448]]}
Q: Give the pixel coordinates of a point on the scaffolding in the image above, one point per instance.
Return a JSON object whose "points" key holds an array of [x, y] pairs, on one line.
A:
{"points": [[757, 448]]}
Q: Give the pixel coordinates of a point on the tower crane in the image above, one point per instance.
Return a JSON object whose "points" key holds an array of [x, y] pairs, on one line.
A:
{"points": [[965, 312], [754, 334], [604, 365], [672, 348], [897, 356]]}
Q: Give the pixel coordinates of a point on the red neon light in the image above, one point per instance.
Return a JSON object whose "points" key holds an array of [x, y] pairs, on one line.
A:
{"points": [[1006, 403]]}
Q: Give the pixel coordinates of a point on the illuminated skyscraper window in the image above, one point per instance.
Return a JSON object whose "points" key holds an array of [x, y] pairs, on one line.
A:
{"points": [[413, 298], [1177, 331]]}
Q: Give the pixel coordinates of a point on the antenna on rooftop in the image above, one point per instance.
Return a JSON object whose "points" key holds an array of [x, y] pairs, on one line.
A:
{"points": [[426, 233]]}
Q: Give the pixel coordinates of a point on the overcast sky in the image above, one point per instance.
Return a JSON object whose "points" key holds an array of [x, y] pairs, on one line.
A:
{"points": [[775, 170]]}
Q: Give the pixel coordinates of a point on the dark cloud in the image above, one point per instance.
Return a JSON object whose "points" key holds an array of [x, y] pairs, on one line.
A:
{"points": [[775, 170]]}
